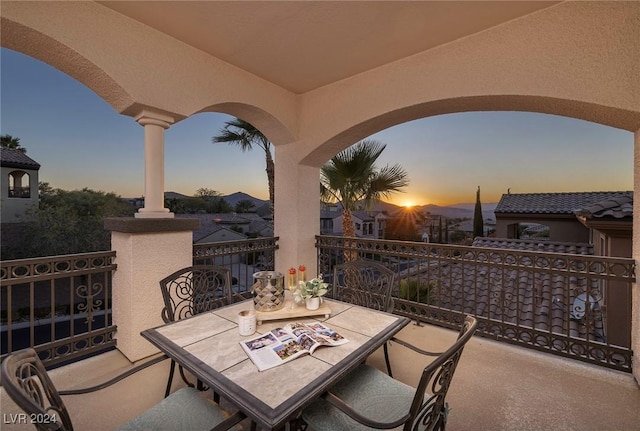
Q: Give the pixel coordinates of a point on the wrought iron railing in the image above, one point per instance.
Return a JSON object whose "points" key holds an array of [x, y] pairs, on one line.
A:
{"points": [[572, 305], [244, 258], [20, 192], [60, 305]]}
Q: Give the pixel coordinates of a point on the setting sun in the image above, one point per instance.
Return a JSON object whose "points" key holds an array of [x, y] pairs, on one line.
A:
{"points": [[408, 204]]}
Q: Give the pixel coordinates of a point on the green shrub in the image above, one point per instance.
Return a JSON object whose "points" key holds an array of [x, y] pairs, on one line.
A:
{"points": [[414, 289]]}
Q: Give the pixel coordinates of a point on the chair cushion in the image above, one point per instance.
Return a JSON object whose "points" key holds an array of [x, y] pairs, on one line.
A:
{"points": [[184, 409], [367, 390]]}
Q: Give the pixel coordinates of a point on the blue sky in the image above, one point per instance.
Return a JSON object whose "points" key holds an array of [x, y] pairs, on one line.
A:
{"points": [[80, 141]]}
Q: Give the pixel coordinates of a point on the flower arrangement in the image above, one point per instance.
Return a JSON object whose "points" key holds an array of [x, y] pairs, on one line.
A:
{"points": [[316, 287]]}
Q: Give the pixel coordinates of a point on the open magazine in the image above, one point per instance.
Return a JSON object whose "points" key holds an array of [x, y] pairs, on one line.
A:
{"points": [[282, 345]]}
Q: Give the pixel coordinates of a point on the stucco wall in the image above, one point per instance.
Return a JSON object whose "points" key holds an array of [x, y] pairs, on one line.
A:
{"points": [[15, 209]]}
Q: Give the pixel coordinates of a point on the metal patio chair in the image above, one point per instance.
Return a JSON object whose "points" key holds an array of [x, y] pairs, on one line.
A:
{"points": [[368, 398], [364, 283], [27, 382], [190, 291]]}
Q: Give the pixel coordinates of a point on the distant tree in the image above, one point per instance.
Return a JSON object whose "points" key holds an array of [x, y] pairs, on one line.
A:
{"points": [[206, 193], [446, 231], [245, 206], [478, 223], [67, 222], [246, 136], [176, 206], [457, 236], [209, 201], [219, 205], [8, 141], [45, 191]]}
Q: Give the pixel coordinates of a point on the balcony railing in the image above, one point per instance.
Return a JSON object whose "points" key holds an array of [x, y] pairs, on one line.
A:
{"points": [[244, 258], [61, 305], [20, 192], [571, 305]]}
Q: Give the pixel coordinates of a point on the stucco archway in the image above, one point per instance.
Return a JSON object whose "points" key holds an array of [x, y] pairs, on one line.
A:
{"points": [[605, 115]]}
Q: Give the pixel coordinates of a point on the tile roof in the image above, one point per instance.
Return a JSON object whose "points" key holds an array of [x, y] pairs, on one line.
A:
{"points": [[616, 207], [12, 158], [534, 245], [521, 297], [211, 223], [553, 203]]}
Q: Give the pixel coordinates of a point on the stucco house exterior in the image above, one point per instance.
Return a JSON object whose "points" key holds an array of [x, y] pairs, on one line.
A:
{"points": [[19, 184], [367, 223], [556, 211], [610, 224]]}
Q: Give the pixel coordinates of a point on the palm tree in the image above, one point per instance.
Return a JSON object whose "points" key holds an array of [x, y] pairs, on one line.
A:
{"points": [[352, 179], [8, 141], [246, 136]]}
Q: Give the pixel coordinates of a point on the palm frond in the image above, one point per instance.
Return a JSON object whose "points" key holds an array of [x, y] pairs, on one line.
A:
{"points": [[352, 179]]}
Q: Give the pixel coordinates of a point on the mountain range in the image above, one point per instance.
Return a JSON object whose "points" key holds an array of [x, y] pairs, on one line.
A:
{"points": [[461, 210]]}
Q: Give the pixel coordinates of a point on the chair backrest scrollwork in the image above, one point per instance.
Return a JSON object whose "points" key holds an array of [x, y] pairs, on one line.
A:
{"points": [[430, 410], [364, 283], [195, 289], [26, 381]]}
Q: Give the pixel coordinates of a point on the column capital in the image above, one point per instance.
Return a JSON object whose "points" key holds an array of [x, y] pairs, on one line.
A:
{"points": [[146, 117]]}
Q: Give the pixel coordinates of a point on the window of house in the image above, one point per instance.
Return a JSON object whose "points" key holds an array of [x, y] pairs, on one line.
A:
{"points": [[326, 224], [19, 185]]}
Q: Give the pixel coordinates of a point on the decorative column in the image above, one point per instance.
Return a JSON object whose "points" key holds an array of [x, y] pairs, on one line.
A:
{"points": [[154, 127], [297, 210]]}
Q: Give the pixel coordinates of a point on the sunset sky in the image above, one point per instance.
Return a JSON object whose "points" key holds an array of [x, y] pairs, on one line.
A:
{"points": [[80, 141]]}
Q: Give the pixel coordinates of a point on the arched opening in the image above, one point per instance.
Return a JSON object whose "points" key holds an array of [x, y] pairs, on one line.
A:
{"points": [[19, 186]]}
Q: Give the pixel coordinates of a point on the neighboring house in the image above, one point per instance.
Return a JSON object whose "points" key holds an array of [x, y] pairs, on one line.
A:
{"points": [[608, 220], [327, 220], [233, 221], [219, 233], [19, 184], [610, 223], [556, 211], [212, 229], [368, 224]]}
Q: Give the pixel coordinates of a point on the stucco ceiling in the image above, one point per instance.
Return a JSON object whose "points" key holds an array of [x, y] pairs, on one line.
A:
{"points": [[303, 45]]}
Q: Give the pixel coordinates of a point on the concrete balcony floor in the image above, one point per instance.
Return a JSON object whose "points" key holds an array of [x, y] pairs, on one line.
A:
{"points": [[496, 387]]}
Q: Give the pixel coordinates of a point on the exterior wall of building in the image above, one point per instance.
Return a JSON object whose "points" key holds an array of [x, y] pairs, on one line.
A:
{"points": [[615, 244], [561, 229], [15, 208]]}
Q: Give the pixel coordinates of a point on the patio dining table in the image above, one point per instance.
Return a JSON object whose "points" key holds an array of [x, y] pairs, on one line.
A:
{"points": [[208, 345]]}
